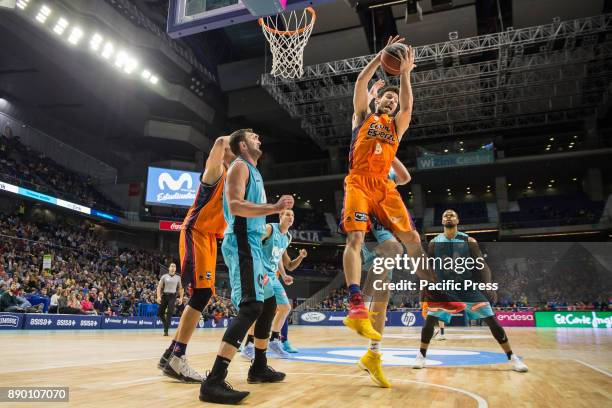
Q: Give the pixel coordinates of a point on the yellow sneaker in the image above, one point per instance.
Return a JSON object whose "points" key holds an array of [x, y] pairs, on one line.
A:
{"points": [[371, 362], [359, 321]]}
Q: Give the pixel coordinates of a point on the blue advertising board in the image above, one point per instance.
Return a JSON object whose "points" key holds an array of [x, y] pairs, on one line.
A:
{"points": [[396, 318], [132, 322], [11, 321], [171, 187], [61, 322]]}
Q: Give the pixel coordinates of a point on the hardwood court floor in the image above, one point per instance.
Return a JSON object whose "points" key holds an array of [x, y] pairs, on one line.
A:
{"points": [[568, 368]]}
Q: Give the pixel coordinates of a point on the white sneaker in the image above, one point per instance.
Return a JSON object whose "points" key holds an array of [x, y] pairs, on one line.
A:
{"points": [[248, 352], [178, 368], [419, 361], [517, 364], [276, 346], [441, 337]]}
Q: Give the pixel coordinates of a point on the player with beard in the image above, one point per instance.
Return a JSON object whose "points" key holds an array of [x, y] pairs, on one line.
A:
{"points": [[368, 190], [245, 209], [203, 224], [453, 244]]}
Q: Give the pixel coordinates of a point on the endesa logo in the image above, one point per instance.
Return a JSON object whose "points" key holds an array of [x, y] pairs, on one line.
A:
{"points": [[515, 317], [313, 317]]}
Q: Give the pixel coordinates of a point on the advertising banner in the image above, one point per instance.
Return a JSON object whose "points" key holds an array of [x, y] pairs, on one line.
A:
{"points": [[435, 161], [171, 187], [174, 226], [11, 321], [132, 322], [596, 320], [515, 319], [61, 322], [397, 318]]}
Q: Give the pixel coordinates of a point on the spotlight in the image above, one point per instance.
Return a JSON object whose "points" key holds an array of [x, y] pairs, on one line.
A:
{"points": [[552, 139], [575, 179], [75, 36], [550, 186], [445, 150], [60, 26], [146, 74], [23, 4], [509, 184], [153, 79], [43, 14], [95, 41], [108, 50], [130, 65], [121, 59]]}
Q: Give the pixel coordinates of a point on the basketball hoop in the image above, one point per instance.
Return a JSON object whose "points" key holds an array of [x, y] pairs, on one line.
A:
{"points": [[287, 35]]}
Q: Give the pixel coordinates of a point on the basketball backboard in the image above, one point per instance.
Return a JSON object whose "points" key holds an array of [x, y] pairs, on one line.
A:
{"points": [[187, 17]]}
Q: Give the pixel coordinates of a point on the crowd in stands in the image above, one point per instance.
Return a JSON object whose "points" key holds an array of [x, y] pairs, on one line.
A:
{"points": [[86, 275], [42, 174]]}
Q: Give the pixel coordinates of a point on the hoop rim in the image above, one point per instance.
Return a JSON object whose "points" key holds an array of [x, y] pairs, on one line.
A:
{"points": [[292, 32]]}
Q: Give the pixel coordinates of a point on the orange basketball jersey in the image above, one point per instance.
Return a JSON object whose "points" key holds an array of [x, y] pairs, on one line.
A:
{"points": [[206, 212], [373, 146]]}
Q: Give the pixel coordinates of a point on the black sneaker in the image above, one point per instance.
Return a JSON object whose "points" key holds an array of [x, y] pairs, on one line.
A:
{"points": [[220, 392], [165, 332], [266, 375], [164, 359]]}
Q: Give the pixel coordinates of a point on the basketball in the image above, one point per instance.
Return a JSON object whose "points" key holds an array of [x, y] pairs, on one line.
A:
{"points": [[390, 59]]}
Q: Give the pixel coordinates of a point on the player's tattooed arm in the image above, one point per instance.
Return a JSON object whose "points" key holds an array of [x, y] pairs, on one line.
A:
{"points": [[237, 179], [485, 271], [402, 175], [290, 264], [403, 117], [214, 163]]}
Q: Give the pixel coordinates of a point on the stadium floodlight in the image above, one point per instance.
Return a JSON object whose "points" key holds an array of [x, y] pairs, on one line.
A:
{"points": [[130, 65], [108, 50], [43, 14], [96, 41], [154, 79], [23, 4], [60, 26], [121, 59], [75, 36], [146, 74]]}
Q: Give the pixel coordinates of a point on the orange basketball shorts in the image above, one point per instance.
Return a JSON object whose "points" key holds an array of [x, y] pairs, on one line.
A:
{"points": [[365, 196], [198, 253]]}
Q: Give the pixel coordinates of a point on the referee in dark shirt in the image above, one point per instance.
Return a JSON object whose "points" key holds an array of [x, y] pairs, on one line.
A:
{"points": [[169, 285]]}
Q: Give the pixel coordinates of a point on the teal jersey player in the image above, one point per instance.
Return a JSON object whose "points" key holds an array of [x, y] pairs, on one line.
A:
{"points": [[273, 249]]}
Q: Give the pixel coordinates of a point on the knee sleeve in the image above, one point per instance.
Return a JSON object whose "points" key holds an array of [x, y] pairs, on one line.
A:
{"points": [[199, 298], [264, 322], [428, 329], [496, 330], [238, 328]]}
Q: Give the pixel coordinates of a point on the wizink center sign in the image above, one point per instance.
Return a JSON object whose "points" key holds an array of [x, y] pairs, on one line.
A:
{"points": [[171, 187], [436, 161], [574, 319]]}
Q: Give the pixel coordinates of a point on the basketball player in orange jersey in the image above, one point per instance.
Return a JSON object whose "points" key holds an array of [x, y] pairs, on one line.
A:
{"points": [[368, 190], [203, 224]]}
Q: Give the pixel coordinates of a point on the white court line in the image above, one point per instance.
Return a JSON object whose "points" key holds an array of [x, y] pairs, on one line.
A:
{"points": [[140, 380], [482, 403], [594, 368]]}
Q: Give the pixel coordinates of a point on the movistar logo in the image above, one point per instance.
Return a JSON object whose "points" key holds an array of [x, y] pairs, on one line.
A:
{"points": [[165, 180]]}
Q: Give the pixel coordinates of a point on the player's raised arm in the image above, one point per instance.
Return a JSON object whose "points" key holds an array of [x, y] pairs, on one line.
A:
{"points": [[360, 96], [237, 179], [402, 175], [403, 117], [214, 163], [290, 264]]}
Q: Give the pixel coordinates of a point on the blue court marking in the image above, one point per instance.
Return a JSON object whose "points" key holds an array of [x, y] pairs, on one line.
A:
{"points": [[395, 356]]}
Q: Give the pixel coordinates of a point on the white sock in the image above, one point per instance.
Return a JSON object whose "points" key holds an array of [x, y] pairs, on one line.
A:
{"points": [[375, 346]]}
